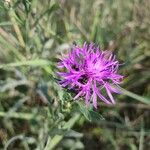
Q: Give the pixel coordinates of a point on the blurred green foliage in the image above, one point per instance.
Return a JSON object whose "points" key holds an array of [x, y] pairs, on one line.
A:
{"points": [[35, 113]]}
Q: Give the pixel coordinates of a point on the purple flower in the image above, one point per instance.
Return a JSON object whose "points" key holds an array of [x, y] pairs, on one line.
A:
{"points": [[90, 72]]}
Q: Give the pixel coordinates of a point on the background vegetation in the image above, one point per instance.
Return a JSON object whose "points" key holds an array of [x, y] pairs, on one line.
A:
{"points": [[35, 113]]}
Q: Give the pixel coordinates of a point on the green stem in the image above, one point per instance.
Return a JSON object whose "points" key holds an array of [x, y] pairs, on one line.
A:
{"points": [[36, 62], [16, 115], [52, 143], [135, 96]]}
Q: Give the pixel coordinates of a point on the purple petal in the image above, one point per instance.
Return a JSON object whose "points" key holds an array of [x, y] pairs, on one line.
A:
{"points": [[99, 94], [110, 95], [94, 100], [114, 88], [102, 97], [87, 97], [78, 95]]}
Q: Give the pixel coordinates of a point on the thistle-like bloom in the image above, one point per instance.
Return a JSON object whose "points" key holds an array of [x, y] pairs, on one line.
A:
{"points": [[90, 73]]}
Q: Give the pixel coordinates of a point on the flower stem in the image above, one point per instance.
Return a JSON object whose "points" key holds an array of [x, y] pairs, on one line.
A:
{"points": [[52, 143]]}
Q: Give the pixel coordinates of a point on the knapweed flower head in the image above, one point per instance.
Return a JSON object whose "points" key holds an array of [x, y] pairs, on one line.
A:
{"points": [[90, 72]]}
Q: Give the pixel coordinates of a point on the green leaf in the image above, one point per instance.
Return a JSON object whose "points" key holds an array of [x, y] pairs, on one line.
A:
{"points": [[95, 116], [89, 114], [84, 110]]}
